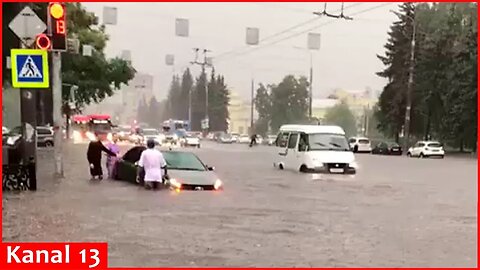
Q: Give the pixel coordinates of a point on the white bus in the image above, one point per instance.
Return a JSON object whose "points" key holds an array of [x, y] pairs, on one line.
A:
{"points": [[314, 148]]}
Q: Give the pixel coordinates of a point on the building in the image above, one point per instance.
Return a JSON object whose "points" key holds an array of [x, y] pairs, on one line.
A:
{"points": [[239, 110], [320, 106]]}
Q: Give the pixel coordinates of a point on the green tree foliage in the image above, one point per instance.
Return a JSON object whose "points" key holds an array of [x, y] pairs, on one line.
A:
{"points": [[289, 102], [218, 100], [263, 105], [444, 100], [341, 115]]}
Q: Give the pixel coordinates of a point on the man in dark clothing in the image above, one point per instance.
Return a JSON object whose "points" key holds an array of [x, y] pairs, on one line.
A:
{"points": [[94, 157], [253, 140]]}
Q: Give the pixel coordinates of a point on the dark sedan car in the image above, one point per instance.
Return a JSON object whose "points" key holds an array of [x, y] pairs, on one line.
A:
{"points": [[387, 148], [185, 170]]}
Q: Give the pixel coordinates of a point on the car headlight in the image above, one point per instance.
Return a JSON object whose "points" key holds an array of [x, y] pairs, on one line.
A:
{"points": [[218, 184], [175, 183]]}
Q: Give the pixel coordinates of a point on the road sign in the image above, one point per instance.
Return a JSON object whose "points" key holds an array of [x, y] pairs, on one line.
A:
{"points": [[27, 25], [29, 68]]}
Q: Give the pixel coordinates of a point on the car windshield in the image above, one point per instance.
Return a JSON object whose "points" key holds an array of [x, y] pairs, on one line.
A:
{"points": [[363, 141], [150, 132], [324, 141], [183, 161], [436, 144], [272, 137], [393, 144], [133, 155]]}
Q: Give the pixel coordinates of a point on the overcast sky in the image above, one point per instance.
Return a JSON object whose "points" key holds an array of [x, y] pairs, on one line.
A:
{"points": [[346, 59]]}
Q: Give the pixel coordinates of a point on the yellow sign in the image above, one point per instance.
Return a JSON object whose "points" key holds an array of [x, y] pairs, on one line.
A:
{"points": [[29, 68]]}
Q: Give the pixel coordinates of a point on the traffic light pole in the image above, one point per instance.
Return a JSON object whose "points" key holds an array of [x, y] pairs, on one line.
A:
{"points": [[28, 115], [57, 112]]}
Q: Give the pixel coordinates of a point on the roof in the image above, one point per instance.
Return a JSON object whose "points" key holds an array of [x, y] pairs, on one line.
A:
{"points": [[313, 129]]}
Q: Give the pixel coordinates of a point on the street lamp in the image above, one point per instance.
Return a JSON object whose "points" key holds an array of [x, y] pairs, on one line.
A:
{"points": [[310, 82], [408, 108]]}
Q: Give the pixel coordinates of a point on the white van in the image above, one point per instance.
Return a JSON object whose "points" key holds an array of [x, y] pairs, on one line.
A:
{"points": [[312, 148]]}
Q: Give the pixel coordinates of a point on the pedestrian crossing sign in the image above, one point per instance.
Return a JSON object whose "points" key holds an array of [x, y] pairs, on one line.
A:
{"points": [[29, 68]]}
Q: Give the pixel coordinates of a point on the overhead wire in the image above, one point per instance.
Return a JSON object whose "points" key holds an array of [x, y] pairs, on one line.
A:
{"points": [[284, 31], [304, 31]]}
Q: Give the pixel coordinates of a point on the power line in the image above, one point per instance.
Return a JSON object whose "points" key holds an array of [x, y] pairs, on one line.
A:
{"points": [[305, 31], [286, 30]]}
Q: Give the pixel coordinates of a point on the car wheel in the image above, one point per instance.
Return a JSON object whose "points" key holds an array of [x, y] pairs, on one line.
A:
{"points": [[303, 169], [421, 155], [48, 144], [408, 154], [280, 166], [355, 149], [198, 146], [442, 157]]}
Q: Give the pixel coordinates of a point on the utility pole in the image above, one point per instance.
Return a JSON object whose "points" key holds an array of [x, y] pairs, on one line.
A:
{"points": [[203, 65], [411, 70], [57, 112], [252, 103], [311, 87]]}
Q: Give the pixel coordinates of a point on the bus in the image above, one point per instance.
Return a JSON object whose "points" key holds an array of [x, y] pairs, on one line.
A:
{"points": [[101, 124], [174, 125], [85, 126]]}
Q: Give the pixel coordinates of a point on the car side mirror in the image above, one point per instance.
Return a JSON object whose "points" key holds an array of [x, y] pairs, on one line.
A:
{"points": [[210, 168]]}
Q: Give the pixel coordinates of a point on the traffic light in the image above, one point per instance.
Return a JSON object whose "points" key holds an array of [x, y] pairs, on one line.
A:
{"points": [[57, 26], [43, 42]]}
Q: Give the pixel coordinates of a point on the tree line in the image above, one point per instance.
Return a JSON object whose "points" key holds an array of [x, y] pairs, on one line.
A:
{"points": [[444, 93], [184, 90], [282, 103]]}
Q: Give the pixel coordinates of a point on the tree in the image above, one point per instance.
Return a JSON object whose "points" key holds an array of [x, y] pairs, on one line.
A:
{"points": [[263, 105], [342, 116], [289, 101], [154, 113], [173, 98], [186, 88], [198, 101]]}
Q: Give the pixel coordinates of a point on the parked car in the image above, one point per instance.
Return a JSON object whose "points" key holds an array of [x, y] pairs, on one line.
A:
{"points": [[191, 140], [226, 138], [423, 149], [244, 138], [387, 148], [45, 136], [235, 137], [360, 145], [271, 139]]}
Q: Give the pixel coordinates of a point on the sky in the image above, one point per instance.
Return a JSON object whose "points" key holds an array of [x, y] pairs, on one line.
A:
{"points": [[346, 58]]}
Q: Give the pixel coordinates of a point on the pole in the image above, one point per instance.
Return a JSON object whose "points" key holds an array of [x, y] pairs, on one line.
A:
{"points": [[408, 108], [28, 117], [252, 98], [57, 112], [311, 87]]}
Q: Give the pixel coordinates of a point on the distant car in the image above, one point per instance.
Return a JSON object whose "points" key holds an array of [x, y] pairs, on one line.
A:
{"points": [[271, 139], [226, 138], [191, 140], [387, 148], [235, 137], [244, 138], [5, 130], [152, 134], [45, 136], [360, 145], [185, 170], [424, 149]]}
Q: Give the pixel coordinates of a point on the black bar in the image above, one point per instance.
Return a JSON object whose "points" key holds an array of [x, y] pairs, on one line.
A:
{"points": [[29, 120]]}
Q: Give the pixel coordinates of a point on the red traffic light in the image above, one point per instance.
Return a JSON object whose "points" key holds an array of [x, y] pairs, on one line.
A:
{"points": [[43, 42]]}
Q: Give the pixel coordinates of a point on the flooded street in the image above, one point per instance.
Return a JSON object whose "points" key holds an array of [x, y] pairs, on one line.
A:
{"points": [[396, 212]]}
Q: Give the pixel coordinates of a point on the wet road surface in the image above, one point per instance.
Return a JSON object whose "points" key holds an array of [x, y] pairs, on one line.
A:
{"points": [[396, 212]]}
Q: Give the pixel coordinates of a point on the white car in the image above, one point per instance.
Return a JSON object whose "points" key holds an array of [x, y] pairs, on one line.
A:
{"points": [[191, 140], [271, 139], [259, 139], [244, 138], [5, 130], [153, 134], [360, 144], [426, 149]]}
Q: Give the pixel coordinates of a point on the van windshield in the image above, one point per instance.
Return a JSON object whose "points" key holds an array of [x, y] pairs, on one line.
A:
{"points": [[325, 141]]}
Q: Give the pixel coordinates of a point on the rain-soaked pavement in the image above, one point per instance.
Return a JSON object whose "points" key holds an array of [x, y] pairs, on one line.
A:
{"points": [[396, 212]]}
